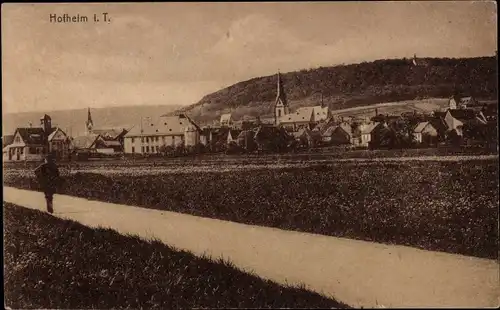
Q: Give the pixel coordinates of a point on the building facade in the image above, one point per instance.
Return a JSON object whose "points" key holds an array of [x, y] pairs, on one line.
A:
{"points": [[151, 135], [425, 132], [33, 143]]}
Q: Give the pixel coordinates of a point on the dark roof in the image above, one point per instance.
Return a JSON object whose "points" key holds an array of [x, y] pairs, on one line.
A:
{"points": [[110, 133], [85, 142], [463, 114], [33, 135], [439, 124], [7, 140], [439, 114], [234, 133]]}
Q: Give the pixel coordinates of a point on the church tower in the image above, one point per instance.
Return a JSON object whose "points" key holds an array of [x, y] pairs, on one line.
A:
{"points": [[281, 105], [89, 124]]}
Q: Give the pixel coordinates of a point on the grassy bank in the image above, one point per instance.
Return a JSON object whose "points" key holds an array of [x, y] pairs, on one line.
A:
{"points": [[442, 206], [54, 263]]}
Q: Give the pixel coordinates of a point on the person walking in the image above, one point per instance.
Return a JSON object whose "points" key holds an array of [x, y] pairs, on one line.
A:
{"points": [[49, 179]]}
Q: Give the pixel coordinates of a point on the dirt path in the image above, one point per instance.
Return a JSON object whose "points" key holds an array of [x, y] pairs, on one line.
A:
{"points": [[356, 272]]}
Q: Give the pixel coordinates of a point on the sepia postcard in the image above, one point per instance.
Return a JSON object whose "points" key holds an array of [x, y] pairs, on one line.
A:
{"points": [[227, 155]]}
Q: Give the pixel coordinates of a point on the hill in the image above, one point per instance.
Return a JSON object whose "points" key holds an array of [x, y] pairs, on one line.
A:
{"points": [[74, 120], [355, 85]]}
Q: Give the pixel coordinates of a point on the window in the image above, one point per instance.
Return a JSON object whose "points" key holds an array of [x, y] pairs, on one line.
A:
{"points": [[32, 150], [157, 138], [147, 149], [142, 139], [133, 149], [170, 129], [165, 124], [279, 113], [142, 149], [157, 149], [132, 141], [18, 139]]}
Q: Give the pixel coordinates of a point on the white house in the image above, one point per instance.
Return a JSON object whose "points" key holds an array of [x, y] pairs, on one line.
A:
{"points": [[425, 131], [368, 132], [148, 137], [29, 143]]}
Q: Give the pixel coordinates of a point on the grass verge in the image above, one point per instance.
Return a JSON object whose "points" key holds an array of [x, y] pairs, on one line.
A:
{"points": [[55, 263], [440, 206]]}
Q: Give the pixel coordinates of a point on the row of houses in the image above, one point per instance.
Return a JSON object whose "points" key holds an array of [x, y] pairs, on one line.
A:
{"points": [[27, 144], [309, 126], [32, 143]]}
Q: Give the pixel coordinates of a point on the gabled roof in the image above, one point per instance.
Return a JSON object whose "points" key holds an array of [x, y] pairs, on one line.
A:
{"points": [[85, 142], [420, 127], [163, 125], [323, 125], [319, 111], [368, 128], [344, 127], [32, 135], [347, 128], [51, 136], [329, 131], [109, 133], [439, 124]]}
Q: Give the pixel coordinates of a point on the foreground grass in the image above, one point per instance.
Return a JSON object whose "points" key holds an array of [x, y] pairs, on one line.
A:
{"points": [[441, 206], [55, 263]]}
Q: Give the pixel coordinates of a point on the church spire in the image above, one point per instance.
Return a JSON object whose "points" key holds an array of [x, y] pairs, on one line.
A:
{"points": [[281, 104], [89, 123], [280, 95]]}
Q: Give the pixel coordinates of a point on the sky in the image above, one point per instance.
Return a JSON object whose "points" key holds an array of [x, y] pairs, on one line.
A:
{"points": [[175, 53]]}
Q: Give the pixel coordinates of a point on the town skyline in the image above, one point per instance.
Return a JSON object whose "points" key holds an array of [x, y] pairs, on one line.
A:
{"points": [[127, 61]]}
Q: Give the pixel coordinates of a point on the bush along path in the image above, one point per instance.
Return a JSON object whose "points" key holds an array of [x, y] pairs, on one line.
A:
{"points": [[52, 263]]}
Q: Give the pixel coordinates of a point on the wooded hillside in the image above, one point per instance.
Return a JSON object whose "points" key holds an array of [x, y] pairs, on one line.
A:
{"points": [[347, 86]]}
